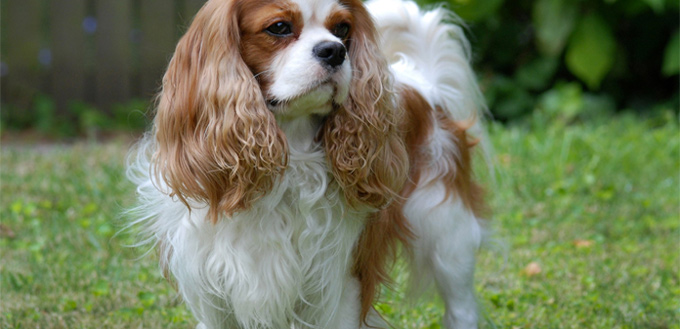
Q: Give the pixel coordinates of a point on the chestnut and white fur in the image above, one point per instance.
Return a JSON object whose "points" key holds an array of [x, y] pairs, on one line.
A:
{"points": [[297, 146]]}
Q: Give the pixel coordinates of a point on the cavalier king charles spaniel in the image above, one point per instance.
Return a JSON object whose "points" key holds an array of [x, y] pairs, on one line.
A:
{"points": [[297, 147]]}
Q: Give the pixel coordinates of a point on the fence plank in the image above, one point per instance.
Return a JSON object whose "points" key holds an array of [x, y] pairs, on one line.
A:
{"points": [[113, 52], [74, 70], [157, 44], [68, 52], [22, 77]]}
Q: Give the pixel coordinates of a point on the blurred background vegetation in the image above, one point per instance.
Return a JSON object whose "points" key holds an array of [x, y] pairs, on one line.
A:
{"points": [[574, 58], [89, 67]]}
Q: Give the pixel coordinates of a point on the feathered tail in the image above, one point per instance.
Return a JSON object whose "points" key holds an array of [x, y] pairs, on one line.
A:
{"points": [[430, 53]]}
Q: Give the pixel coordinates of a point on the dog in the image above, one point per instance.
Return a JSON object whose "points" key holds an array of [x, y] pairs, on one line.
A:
{"points": [[299, 146]]}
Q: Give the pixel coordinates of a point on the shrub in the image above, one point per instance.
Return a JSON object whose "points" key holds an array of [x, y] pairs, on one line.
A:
{"points": [[624, 53]]}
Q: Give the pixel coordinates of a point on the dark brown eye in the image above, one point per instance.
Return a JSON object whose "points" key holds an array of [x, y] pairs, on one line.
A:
{"points": [[341, 30], [280, 29]]}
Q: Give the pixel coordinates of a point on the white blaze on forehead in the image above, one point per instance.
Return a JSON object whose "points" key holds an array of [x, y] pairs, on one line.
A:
{"points": [[316, 11]]}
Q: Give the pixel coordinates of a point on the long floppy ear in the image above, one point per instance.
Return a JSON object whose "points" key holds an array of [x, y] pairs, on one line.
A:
{"points": [[217, 141], [362, 139]]}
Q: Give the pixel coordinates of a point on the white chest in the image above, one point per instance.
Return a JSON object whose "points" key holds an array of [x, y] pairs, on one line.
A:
{"points": [[283, 261]]}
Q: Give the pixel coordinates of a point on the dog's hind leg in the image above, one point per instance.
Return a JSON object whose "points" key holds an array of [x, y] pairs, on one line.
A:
{"points": [[447, 238]]}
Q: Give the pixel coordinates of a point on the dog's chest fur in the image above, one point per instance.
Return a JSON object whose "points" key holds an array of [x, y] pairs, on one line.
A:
{"points": [[291, 253]]}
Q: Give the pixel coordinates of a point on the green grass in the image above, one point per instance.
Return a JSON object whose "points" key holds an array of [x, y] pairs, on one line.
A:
{"points": [[595, 206]]}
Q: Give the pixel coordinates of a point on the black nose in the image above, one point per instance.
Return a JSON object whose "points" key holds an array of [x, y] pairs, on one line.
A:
{"points": [[331, 53]]}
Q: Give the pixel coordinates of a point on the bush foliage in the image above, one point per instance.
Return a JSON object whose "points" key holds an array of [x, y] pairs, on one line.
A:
{"points": [[573, 56], [566, 59]]}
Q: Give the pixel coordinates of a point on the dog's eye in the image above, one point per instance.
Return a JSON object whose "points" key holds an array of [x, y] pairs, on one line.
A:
{"points": [[341, 30], [280, 29]]}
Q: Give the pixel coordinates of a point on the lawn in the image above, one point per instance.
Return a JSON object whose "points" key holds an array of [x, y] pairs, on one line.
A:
{"points": [[586, 218]]}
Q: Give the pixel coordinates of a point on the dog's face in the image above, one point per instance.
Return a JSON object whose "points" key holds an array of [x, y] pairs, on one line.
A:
{"points": [[298, 52], [245, 65]]}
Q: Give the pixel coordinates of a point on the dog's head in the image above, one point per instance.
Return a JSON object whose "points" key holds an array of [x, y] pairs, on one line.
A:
{"points": [[298, 52], [243, 65]]}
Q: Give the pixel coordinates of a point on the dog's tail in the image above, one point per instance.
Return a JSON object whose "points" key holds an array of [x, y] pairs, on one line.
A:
{"points": [[428, 51]]}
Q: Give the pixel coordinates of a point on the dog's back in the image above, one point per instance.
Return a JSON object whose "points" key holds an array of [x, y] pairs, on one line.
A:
{"points": [[430, 57]]}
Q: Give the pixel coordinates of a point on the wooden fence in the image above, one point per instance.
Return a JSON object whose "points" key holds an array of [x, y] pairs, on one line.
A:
{"points": [[101, 52]]}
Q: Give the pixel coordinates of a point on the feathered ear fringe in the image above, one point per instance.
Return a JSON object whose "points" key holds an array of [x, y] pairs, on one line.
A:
{"points": [[217, 141], [364, 146], [368, 155]]}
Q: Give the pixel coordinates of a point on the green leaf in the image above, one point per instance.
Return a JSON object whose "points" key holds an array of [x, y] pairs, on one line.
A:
{"points": [[671, 58], [656, 5], [537, 74], [68, 305], [101, 288], [508, 99], [148, 299], [591, 51], [89, 209], [553, 22], [474, 10], [16, 207], [434, 325], [563, 103]]}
